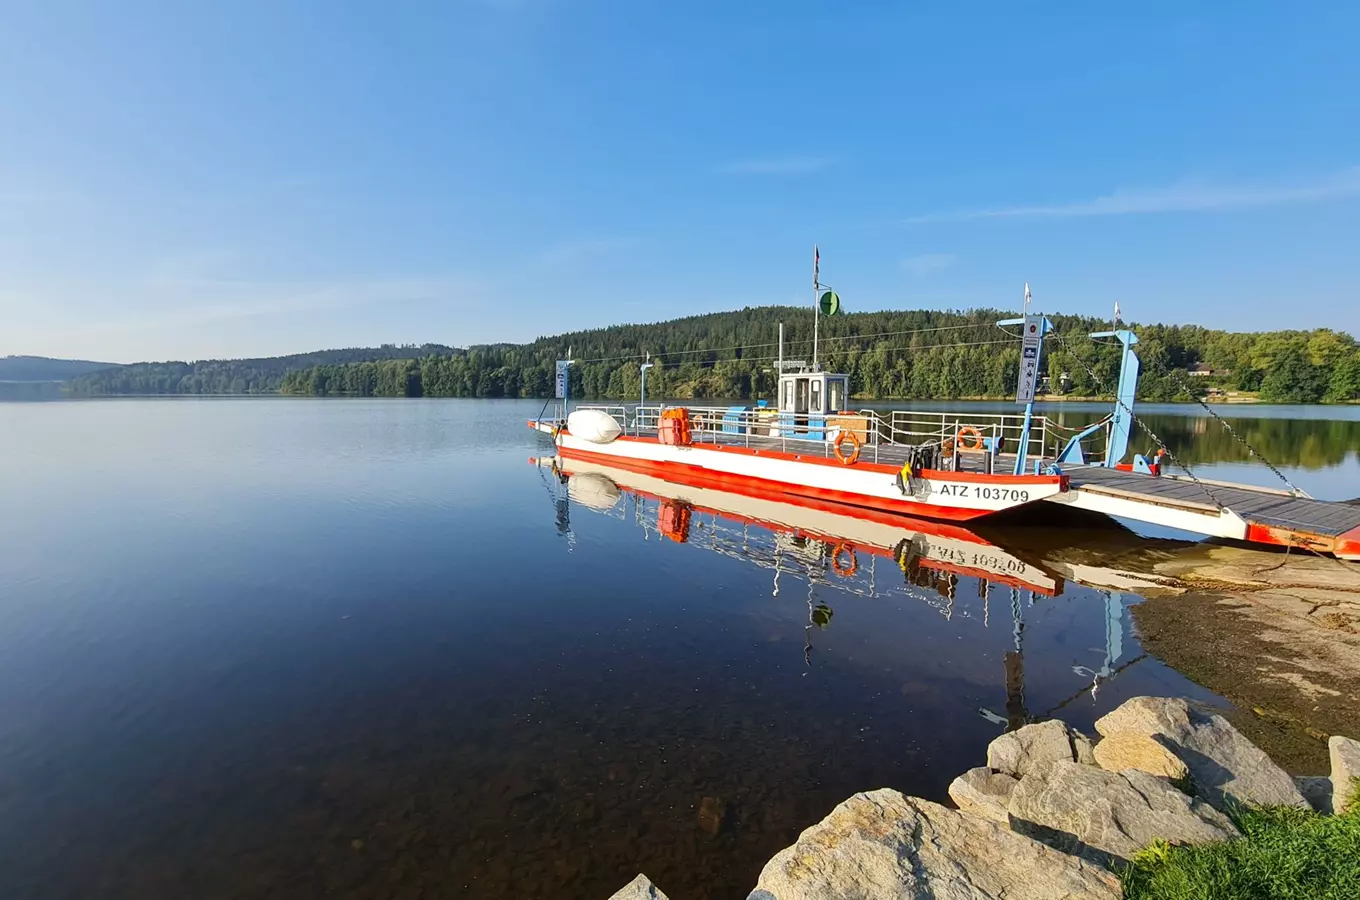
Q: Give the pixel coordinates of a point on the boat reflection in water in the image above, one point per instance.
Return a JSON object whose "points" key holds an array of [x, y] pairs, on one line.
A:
{"points": [[826, 548]]}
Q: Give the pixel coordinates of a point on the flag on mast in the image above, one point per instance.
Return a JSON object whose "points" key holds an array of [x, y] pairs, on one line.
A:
{"points": [[1116, 312], [1026, 298], [816, 266]]}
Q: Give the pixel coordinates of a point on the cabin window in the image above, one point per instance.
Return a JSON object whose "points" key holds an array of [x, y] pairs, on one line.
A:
{"points": [[800, 395], [835, 392], [815, 404], [786, 392]]}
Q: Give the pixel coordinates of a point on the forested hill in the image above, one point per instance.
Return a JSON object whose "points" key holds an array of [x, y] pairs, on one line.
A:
{"points": [[238, 376], [896, 354], [42, 368], [902, 354]]}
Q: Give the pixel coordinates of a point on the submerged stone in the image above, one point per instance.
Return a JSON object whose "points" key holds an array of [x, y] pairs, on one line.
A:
{"points": [[712, 811]]}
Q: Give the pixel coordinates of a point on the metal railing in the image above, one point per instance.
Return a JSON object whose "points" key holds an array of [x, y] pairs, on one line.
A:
{"points": [[1000, 430], [805, 433]]}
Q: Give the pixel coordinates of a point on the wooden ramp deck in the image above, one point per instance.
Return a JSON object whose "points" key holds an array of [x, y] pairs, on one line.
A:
{"points": [[1261, 505], [1241, 512]]}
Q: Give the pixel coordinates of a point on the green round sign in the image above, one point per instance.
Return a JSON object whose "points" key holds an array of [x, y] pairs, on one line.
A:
{"points": [[830, 303]]}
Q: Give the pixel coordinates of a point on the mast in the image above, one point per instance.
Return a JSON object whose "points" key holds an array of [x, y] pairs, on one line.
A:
{"points": [[816, 307]]}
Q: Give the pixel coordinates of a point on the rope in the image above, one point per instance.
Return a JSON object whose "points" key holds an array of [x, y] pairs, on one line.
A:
{"points": [[1241, 440], [1141, 424], [794, 343], [1056, 427]]}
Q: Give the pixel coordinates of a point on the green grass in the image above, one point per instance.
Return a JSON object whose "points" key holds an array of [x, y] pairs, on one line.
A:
{"points": [[1283, 854]]}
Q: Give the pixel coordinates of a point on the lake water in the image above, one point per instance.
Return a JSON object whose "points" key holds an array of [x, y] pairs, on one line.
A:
{"points": [[293, 648]]}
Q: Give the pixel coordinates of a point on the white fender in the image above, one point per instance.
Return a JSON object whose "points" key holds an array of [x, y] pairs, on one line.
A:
{"points": [[593, 425]]}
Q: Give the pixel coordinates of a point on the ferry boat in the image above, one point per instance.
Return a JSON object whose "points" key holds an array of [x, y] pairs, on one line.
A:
{"points": [[942, 465], [811, 445]]}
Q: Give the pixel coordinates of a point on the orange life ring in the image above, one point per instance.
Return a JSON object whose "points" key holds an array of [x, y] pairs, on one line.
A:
{"points": [[852, 457], [969, 431], [847, 570]]}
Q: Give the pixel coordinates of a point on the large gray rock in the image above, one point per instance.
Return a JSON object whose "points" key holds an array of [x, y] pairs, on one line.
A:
{"points": [[1131, 750], [1317, 790], [1224, 766], [1107, 817], [640, 888], [983, 792], [1019, 751], [884, 846], [1345, 754], [1146, 715]]}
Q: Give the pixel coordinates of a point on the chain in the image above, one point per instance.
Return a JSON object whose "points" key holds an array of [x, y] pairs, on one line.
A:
{"points": [[1241, 440], [1140, 423]]}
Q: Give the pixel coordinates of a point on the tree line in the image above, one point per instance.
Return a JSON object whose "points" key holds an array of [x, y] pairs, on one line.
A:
{"points": [[889, 355], [236, 376]]}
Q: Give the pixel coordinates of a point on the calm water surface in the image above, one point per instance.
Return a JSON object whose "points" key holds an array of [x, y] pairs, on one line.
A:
{"points": [[294, 648]]}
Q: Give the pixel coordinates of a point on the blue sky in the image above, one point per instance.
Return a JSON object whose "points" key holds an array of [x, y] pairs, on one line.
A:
{"points": [[188, 180]]}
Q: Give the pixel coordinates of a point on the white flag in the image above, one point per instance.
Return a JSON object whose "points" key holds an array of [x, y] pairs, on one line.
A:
{"points": [[1026, 298], [1116, 311]]}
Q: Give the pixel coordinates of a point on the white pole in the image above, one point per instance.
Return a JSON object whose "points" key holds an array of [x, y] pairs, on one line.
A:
{"points": [[781, 348], [816, 307], [816, 320]]}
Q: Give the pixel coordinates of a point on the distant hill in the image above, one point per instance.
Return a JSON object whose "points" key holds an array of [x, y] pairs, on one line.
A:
{"points": [[236, 376], [42, 368]]}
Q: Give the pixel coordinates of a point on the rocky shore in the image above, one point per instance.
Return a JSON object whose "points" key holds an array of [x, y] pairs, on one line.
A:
{"points": [[1053, 815]]}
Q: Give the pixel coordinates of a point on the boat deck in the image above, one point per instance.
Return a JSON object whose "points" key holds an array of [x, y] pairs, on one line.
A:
{"points": [[884, 454]]}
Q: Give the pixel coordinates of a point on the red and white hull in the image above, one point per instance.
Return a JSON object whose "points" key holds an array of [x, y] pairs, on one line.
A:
{"points": [[934, 494]]}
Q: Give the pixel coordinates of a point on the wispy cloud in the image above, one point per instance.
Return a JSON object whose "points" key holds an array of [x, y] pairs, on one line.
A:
{"points": [[776, 165], [925, 263], [1183, 196]]}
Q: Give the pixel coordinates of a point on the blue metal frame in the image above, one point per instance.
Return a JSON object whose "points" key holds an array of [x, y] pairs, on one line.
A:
{"points": [[1121, 420], [1125, 392]]}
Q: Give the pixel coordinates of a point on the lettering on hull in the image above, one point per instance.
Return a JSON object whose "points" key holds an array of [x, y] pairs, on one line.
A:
{"points": [[975, 491]]}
